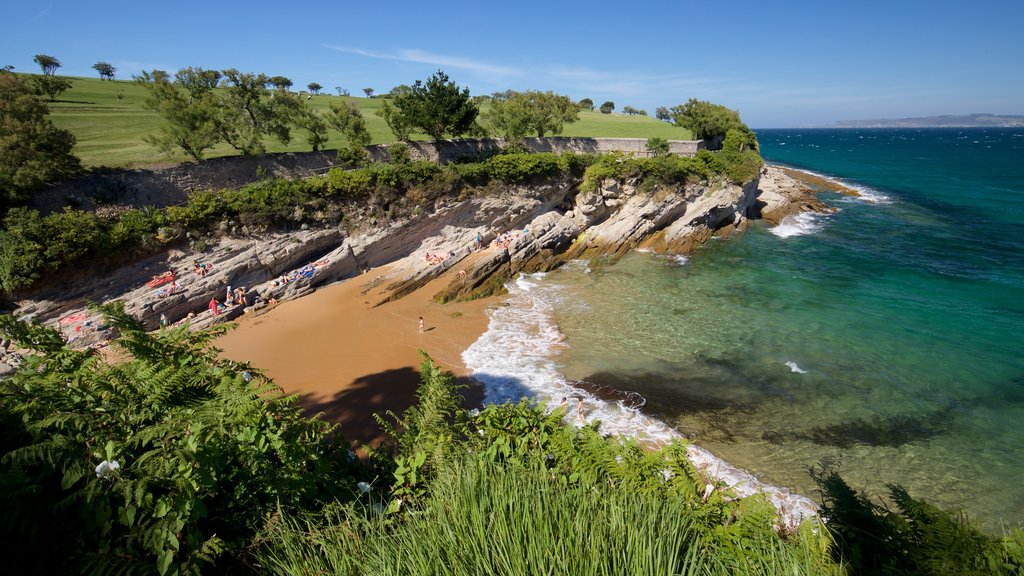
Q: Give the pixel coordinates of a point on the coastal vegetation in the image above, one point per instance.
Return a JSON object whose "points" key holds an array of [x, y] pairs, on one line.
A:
{"points": [[173, 460]]}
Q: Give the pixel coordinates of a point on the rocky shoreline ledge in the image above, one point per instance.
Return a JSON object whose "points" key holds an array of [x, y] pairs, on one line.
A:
{"points": [[537, 227]]}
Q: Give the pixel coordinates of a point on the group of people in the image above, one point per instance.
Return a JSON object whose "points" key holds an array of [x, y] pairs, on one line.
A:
{"points": [[307, 271], [438, 258], [504, 240], [232, 297], [579, 407], [201, 268]]}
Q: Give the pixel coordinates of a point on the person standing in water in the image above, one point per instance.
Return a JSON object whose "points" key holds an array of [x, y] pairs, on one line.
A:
{"points": [[422, 328]]}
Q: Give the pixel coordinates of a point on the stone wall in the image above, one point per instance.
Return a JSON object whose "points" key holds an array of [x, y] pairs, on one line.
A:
{"points": [[166, 186]]}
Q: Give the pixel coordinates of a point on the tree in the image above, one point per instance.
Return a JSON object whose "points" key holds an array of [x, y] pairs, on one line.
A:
{"points": [[369, 92], [189, 109], [50, 86], [515, 115], [105, 69], [400, 127], [197, 81], [633, 111], [341, 91], [314, 87], [247, 112], [607, 107], [399, 90], [315, 126], [586, 104], [662, 113], [348, 120], [48, 64], [32, 150], [438, 107], [280, 82], [707, 121]]}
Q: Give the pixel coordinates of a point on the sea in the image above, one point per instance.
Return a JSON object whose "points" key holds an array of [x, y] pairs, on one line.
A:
{"points": [[886, 339]]}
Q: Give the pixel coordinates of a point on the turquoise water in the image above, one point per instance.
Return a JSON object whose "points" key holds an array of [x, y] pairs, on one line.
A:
{"points": [[889, 335]]}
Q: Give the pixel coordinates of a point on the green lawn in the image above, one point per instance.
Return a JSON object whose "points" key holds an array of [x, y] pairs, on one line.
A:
{"points": [[110, 132]]}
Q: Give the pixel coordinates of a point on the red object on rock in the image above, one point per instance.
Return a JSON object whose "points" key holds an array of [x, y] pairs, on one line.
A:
{"points": [[159, 279]]}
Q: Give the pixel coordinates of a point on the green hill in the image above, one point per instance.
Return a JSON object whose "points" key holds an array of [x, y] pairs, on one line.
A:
{"points": [[110, 122]]}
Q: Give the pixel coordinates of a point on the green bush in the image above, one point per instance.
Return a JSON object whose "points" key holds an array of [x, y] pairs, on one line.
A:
{"points": [[203, 208], [349, 183], [657, 146], [164, 462], [523, 168]]}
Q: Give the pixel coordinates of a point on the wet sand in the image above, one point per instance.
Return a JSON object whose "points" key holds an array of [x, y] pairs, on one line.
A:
{"points": [[350, 359]]}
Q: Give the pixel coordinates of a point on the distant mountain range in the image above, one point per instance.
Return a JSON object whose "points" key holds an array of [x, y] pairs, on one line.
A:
{"points": [[968, 121]]}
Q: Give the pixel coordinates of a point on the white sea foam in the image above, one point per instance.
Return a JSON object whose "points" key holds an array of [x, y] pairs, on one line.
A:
{"points": [[798, 225], [867, 193], [516, 358], [794, 367]]}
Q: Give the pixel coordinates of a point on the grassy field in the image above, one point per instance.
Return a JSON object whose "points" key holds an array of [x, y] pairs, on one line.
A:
{"points": [[110, 122]]}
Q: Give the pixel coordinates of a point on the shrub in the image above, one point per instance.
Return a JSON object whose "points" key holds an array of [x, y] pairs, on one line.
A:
{"points": [[166, 461], [203, 207], [523, 168], [657, 146], [399, 152], [349, 183]]}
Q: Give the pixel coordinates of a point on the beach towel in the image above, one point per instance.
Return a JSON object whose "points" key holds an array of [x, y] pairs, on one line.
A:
{"points": [[72, 318], [159, 279]]}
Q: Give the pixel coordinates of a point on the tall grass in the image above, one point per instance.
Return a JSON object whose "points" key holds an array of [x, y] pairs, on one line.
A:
{"points": [[483, 518]]}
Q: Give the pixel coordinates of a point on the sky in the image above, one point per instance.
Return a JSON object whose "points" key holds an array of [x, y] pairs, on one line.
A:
{"points": [[780, 64]]}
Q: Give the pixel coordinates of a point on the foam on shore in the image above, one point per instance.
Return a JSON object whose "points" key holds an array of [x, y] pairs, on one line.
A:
{"points": [[801, 224], [864, 193], [517, 357]]}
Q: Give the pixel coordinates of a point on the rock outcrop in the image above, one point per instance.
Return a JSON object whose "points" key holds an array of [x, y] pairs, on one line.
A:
{"points": [[782, 194], [527, 229]]}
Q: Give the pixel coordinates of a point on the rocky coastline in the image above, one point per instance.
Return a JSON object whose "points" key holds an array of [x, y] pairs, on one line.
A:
{"points": [[537, 227]]}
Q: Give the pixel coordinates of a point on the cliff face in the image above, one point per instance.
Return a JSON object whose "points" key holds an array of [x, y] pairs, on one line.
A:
{"points": [[534, 228]]}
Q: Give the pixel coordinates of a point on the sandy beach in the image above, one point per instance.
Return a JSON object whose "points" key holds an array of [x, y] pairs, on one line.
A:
{"points": [[350, 359]]}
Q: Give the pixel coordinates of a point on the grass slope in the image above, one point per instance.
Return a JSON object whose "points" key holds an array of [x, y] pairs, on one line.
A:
{"points": [[110, 131]]}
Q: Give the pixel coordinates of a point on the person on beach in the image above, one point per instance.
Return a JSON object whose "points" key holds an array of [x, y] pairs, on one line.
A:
{"points": [[422, 328], [163, 320], [479, 241], [565, 405], [214, 307], [579, 409]]}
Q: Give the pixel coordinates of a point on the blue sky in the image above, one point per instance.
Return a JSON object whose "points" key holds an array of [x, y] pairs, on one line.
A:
{"points": [[779, 64]]}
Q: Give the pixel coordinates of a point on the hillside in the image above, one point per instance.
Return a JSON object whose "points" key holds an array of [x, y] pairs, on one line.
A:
{"points": [[110, 130], [945, 121]]}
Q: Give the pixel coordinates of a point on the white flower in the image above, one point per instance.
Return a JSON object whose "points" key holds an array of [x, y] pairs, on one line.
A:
{"points": [[106, 468], [363, 487]]}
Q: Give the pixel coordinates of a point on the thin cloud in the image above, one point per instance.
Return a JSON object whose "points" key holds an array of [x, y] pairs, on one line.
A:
{"points": [[629, 84], [421, 57]]}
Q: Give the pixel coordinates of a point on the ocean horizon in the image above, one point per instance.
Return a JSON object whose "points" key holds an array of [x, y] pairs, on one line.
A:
{"points": [[886, 337]]}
